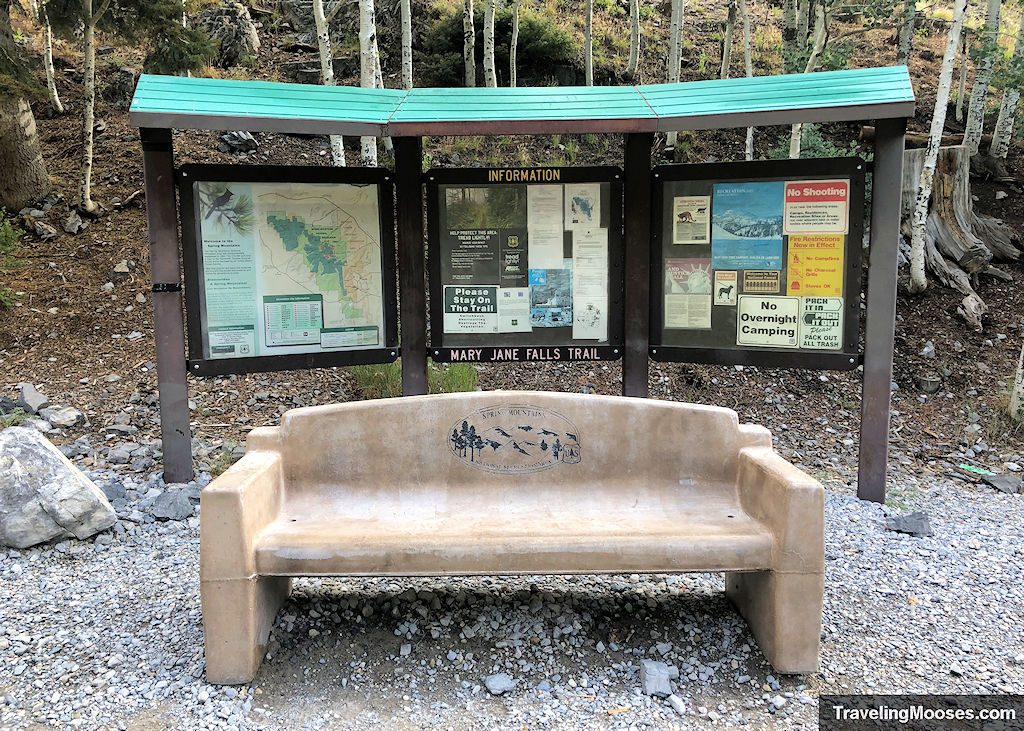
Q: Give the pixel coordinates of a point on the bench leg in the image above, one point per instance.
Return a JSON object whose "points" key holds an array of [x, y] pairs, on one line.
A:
{"points": [[784, 614], [237, 617]]}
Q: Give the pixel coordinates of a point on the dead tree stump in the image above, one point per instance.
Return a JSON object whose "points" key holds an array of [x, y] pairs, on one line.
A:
{"points": [[959, 244]]}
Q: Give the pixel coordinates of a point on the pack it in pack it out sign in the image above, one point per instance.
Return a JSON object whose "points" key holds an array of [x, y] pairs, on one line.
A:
{"points": [[520, 264]]}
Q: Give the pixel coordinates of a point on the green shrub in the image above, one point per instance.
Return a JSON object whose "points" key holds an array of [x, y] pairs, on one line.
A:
{"points": [[544, 47], [384, 380]]}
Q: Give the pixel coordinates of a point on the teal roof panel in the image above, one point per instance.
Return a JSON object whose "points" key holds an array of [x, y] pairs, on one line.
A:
{"points": [[192, 103]]}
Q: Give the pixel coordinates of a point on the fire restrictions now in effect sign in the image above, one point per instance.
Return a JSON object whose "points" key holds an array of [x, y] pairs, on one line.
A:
{"points": [[758, 263]]}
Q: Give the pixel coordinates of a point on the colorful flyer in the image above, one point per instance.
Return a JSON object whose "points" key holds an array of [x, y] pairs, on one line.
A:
{"points": [[687, 276], [691, 219], [817, 206], [821, 323], [469, 309], [814, 265], [513, 259], [762, 281], [582, 206], [551, 296], [688, 311], [746, 225], [767, 321], [725, 288]]}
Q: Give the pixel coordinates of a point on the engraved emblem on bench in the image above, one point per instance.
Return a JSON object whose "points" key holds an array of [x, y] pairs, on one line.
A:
{"points": [[515, 439]]}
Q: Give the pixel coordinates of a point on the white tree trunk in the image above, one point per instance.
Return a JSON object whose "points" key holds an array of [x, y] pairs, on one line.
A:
{"points": [[675, 52], [89, 116], [634, 40], [803, 22], [730, 26], [367, 70], [906, 35], [788, 33], [323, 41], [588, 41], [469, 42], [918, 279], [979, 92], [820, 28], [962, 92], [406, 44], [51, 76], [513, 46], [490, 72], [1017, 393], [1003, 131], [378, 80], [748, 63]]}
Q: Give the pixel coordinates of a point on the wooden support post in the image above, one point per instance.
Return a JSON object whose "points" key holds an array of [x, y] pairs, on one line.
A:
{"points": [[880, 328], [412, 290], [168, 325], [637, 270]]}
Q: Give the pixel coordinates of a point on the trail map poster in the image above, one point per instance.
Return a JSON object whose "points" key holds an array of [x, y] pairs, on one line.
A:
{"points": [[288, 267], [522, 258], [779, 272]]}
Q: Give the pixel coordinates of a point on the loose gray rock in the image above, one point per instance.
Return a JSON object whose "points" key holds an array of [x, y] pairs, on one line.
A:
{"points": [[240, 141], [42, 495], [74, 224], [677, 704], [928, 351], [655, 678], [172, 505], [1010, 484], [7, 406], [30, 399], [499, 684], [915, 524], [63, 416], [45, 231]]}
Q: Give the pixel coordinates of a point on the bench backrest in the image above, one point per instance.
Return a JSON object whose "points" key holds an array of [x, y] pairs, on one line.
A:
{"points": [[517, 439]]}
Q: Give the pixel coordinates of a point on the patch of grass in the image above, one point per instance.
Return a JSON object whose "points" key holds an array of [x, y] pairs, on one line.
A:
{"points": [[1000, 426], [8, 260], [14, 418], [384, 380], [572, 151], [225, 459], [900, 497]]}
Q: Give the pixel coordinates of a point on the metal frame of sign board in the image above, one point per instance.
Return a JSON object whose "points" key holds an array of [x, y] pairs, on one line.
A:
{"points": [[567, 351], [186, 175], [788, 170]]}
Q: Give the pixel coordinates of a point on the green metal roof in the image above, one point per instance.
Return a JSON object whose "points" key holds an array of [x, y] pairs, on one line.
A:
{"points": [[191, 103]]}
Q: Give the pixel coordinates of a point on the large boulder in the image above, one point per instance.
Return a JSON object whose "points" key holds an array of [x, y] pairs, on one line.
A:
{"points": [[232, 31], [43, 496]]}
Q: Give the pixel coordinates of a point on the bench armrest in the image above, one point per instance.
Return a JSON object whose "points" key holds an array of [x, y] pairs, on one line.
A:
{"points": [[234, 510], [789, 503]]}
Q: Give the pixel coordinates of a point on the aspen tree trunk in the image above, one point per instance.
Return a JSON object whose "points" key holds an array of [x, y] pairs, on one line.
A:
{"points": [[788, 34], [918, 279], [675, 52], [962, 92], [323, 41], [634, 40], [513, 46], [86, 202], [745, 14], [1017, 393], [820, 27], [490, 73], [803, 21], [367, 70], [979, 91], [1003, 131], [51, 76], [378, 80], [730, 26], [406, 44], [588, 42], [906, 35], [469, 42]]}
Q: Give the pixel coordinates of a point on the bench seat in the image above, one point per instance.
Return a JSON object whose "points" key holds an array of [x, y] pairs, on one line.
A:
{"points": [[510, 482], [671, 536]]}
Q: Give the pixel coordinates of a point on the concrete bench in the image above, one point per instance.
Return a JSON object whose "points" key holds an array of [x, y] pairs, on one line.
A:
{"points": [[511, 482]]}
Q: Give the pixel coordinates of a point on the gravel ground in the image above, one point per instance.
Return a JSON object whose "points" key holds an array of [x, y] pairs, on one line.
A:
{"points": [[106, 633]]}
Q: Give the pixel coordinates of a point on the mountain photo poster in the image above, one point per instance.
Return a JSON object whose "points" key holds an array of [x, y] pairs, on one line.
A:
{"points": [[746, 225]]}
